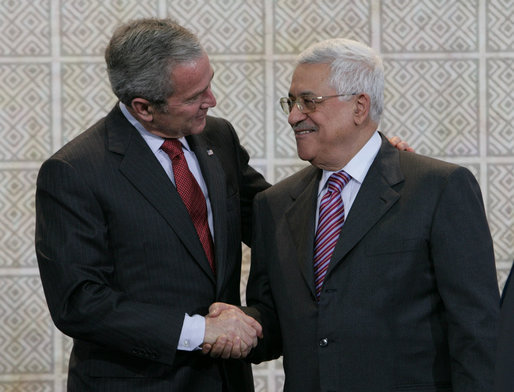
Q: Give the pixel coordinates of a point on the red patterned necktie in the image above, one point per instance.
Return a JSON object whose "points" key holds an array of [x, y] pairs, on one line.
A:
{"points": [[330, 222], [191, 195]]}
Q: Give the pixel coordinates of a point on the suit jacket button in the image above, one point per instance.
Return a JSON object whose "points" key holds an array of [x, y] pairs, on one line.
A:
{"points": [[323, 342]]}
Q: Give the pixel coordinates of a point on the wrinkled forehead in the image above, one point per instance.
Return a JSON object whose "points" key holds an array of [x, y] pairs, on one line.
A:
{"points": [[311, 79]]}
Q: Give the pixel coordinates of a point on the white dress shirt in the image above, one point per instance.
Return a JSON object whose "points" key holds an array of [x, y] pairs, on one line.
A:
{"points": [[357, 168]]}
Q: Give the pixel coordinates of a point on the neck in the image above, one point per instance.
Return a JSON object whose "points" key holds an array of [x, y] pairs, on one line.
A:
{"points": [[336, 160]]}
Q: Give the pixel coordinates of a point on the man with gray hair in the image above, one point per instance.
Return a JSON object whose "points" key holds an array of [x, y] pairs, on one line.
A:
{"points": [[372, 269], [139, 222]]}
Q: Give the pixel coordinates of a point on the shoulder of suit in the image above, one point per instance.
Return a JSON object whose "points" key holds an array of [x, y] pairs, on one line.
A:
{"points": [[422, 161], [214, 124], [81, 145], [217, 129], [294, 181], [419, 167]]}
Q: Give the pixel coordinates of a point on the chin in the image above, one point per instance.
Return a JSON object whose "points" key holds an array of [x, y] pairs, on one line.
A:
{"points": [[199, 128], [305, 157], [303, 154]]}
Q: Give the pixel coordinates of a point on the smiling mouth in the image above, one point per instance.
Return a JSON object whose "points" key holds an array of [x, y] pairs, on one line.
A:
{"points": [[303, 131]]}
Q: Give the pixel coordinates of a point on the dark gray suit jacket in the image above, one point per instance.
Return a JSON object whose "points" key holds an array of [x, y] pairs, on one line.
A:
{"points": [[410, 300], [504, 380], [121, 263]]}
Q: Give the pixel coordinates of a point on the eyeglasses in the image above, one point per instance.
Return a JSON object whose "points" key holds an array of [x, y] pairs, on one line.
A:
{"points": [[305, 104]]}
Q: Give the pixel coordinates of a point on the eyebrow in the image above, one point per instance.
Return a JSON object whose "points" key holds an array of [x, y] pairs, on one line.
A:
{"points": [[304, 94]]}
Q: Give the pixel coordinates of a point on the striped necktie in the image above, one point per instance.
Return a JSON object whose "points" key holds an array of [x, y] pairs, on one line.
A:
{"points": [[330, 222]]}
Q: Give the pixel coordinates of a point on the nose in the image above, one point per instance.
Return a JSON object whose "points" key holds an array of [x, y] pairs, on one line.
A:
{"points": [[295, 115], [209, 100]]}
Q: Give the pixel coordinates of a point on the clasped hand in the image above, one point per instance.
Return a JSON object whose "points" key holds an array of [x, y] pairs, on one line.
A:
{"points": [[229, 332]]}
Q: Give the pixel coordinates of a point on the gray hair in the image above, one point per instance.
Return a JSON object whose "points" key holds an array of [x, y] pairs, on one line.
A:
{"points": [[355, 68], [141, 55]]}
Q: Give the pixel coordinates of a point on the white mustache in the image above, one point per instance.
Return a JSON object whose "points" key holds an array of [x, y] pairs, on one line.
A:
{"points": [[301, 126]]}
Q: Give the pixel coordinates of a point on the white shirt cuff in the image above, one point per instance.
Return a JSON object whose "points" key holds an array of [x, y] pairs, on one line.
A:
{"points": [[192, 334]]}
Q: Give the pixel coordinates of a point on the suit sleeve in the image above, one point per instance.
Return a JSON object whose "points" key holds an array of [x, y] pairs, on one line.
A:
{"points": [[78, 276], [463, 257], [250, 183], [258, 293], [504, 376]]}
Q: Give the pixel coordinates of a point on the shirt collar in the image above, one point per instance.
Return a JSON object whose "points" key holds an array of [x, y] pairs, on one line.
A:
{"points": [[153, 141], [359, 165]]}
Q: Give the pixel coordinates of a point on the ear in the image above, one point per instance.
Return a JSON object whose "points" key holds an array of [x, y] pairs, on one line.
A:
{"points": [[361, 108], [143, 109]]}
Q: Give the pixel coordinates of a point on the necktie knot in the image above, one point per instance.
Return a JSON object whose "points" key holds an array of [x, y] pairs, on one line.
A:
{"points": [[172, 147], [337, 181]]}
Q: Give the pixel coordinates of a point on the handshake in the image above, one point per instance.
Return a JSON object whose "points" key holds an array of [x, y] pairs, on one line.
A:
{"points": [[229, 332]]}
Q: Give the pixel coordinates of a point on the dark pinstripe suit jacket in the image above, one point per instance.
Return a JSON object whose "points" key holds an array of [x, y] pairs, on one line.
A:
{"points": [[410, 300], [504, 381], [121, 263]]}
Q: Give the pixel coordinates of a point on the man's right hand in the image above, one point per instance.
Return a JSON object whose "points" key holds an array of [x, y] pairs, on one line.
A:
{"points": [[229, 332]]}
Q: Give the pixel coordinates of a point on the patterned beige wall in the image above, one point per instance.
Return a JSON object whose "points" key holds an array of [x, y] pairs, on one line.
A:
{"points": [[450, 82]]}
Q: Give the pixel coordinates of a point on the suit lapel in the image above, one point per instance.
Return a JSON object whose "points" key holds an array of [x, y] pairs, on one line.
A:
{"points": [[144, 171], [376, 196], [301, 220]]}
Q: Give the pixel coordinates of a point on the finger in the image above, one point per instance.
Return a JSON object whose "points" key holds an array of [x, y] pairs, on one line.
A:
{"points": [[402, 146], [236, 348], [218, 346], [249, 341], [215, 309], [239, 324], [256, 326], [394, 140], [253, 324], [220, 308], [206, 348], [227, 349], [247, 334], [245, 350]]}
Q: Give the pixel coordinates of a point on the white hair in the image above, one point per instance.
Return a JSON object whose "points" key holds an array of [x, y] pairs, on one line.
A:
{"points": [[355, 68]]}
